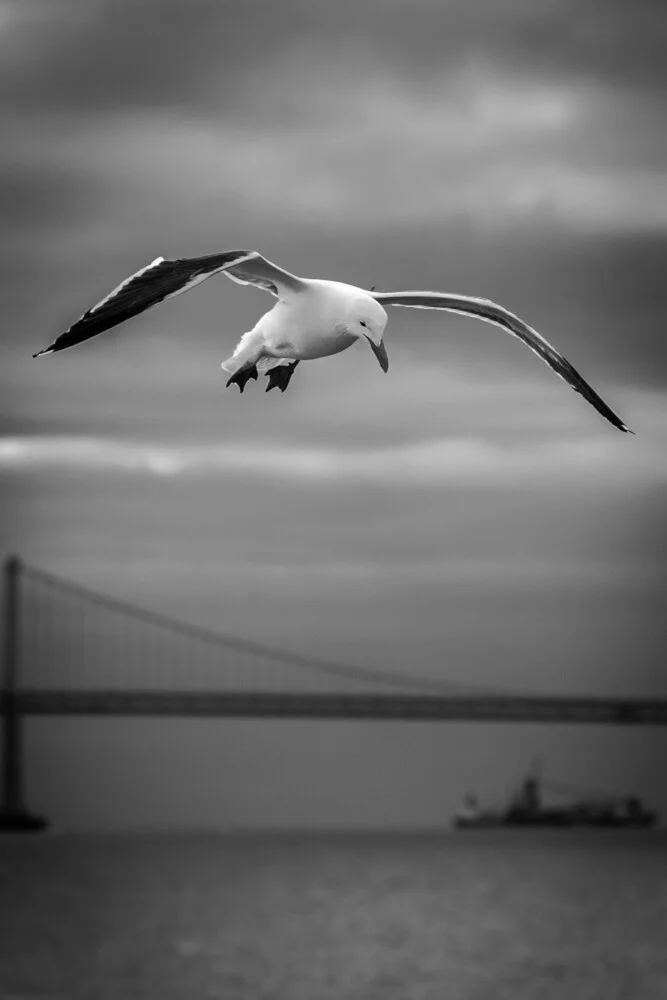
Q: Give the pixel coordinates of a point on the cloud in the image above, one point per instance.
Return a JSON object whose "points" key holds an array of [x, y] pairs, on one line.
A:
{"points": [[483, 148], [312, 117], [448, 460], [207, 53]]}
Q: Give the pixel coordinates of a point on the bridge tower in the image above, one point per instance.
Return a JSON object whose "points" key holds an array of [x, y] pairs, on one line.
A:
{"points": [[14, 815]]}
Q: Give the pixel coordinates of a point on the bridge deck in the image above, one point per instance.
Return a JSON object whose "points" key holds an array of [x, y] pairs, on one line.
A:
{"points": [[453, 708]]}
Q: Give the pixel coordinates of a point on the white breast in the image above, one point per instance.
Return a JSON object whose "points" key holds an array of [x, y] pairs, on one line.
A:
{"points": [[308, 325]]}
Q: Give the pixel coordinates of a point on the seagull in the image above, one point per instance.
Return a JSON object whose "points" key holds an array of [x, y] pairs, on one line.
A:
{"points": [[313, 318]]}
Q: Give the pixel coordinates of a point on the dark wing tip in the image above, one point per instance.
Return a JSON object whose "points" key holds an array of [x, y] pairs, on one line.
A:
{"points": [[146, 288], [580, 385]]}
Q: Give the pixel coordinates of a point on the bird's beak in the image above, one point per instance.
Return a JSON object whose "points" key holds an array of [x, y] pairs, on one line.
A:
{"points": [[380, 352]]}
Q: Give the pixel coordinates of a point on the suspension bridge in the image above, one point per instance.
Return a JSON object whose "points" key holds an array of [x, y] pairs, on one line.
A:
{"points": [[72, 651]]}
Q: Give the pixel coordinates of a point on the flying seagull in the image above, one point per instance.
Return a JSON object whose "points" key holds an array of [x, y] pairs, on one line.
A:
{"points": [[312, 318]]}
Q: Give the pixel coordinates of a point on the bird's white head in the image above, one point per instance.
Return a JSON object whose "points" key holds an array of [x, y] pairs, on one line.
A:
{"points": [[367, 320]]}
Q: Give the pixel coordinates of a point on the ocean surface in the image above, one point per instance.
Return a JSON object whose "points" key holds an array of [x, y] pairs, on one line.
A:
{"points": [[507, 915]]}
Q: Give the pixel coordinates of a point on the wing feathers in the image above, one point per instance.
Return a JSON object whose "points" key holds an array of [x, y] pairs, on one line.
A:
{"points": [[257, 270], [492, 313], [163, 279]]}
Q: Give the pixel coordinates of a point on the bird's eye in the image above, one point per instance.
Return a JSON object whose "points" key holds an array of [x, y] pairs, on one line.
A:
{"points": [[363, 322]]}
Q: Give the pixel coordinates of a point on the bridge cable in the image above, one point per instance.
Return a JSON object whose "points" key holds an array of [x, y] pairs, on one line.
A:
{"points": [[223, 640]]}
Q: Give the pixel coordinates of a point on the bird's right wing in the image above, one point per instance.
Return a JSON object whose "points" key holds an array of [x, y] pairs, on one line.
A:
{"points": [[497, 315], [163, 279]]}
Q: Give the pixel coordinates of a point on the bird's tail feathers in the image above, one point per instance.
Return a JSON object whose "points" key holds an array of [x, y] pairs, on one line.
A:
{"points": [[248, 351]]}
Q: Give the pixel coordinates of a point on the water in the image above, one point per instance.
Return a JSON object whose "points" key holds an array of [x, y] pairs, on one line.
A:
{"points": [[487, 915]]}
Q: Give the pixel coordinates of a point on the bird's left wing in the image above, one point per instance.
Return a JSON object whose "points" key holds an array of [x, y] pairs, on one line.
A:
{"points": [[489, 311], [257, 270], [163, 279]]}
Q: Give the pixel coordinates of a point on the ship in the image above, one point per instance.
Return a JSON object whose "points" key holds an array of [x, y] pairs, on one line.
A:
{"points": [[527, 808]]}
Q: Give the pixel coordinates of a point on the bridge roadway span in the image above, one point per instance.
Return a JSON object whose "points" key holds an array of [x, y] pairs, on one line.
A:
{"points": [[415, 707]]}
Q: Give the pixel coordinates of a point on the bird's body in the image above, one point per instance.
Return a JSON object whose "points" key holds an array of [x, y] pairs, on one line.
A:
{"points": [[314, 322], [312, 318]]}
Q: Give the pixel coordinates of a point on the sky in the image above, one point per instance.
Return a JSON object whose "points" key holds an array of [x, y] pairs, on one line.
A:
{"points": [[466, 516]]}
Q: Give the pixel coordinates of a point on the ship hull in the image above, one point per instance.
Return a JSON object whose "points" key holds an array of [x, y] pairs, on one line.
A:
{"points": [[556, 820]]}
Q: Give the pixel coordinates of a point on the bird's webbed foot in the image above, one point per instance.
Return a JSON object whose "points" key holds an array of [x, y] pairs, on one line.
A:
{"points": [[280, 376], [242, 376]]}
